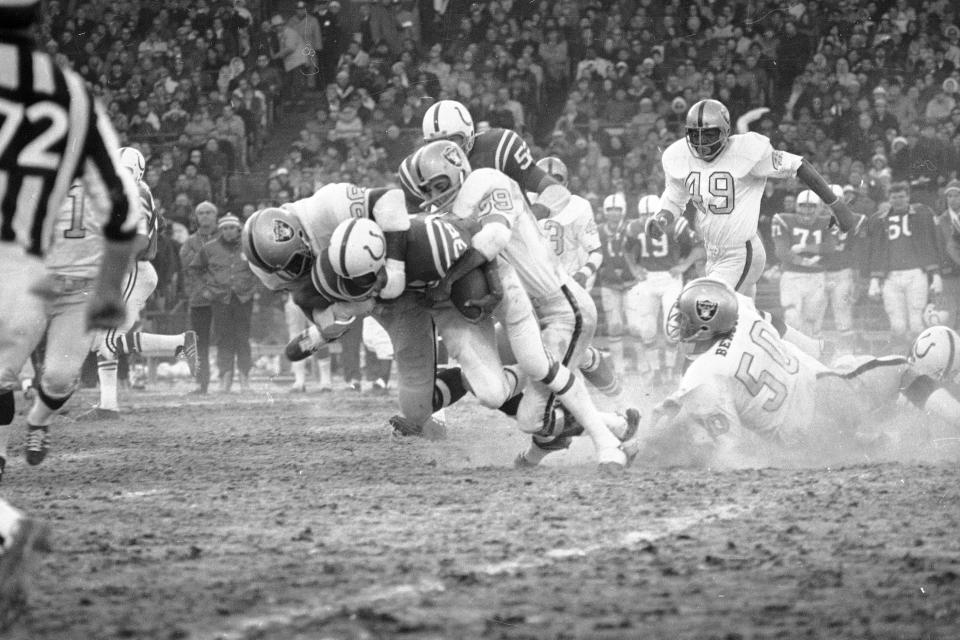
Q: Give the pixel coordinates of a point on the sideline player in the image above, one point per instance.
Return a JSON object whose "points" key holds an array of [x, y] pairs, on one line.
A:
{"points": [[802, 239], [658, 265], [747, 386], [140, 284], [52, 133], [573, 235], [539, 299], [724, 175]]}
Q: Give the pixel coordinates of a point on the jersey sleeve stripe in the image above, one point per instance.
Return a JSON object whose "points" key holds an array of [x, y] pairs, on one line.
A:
{"points": [[43, 75], [435, 247], [101, 145], [500, 157]]}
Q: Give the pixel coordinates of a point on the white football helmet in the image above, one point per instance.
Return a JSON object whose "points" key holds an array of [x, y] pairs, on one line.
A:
{"points": [[706, 308], [808, 203], [358, 249], [274, 241], [133, 161], [708, 128], [555, 168], [648, 206], [439, 169], [614, 208], [934, 353], [837, 191], [449, 120]]}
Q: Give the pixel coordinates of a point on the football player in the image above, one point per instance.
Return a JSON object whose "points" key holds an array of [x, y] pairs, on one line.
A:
{"points": [[841, 264], [801, 240], [723, 175], [904, 255], [542, 310], [573, 235], [140, 284], [615, 277], [747, 386], [500, 149], [658, 265]]}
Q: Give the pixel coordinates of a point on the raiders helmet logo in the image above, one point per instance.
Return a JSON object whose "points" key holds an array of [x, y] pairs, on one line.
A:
{"points": [[706, 309], [452, 155], [282, 232]]}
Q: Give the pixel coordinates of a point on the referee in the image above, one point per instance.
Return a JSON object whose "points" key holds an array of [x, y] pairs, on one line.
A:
{"points": [[51, 133]]}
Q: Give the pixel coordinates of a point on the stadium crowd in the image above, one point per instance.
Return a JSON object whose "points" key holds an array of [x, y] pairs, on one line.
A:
{"points": [[867, 93]]}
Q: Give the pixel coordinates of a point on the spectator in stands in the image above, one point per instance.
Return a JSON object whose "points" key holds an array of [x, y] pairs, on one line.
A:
{"points": [[195, 184], [332, 37], [231, 128], [291, 53], [229, 286], [308, 26], [200, 127]]}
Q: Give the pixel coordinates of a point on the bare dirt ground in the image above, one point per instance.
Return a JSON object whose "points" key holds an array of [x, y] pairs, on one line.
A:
{"points": [[280, 517]]}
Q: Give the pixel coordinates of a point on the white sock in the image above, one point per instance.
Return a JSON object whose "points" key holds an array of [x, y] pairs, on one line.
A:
{"points": [[4, 438], [616, 353], [299, 370], [40, 414], [616, 423], [155, 344], [9, 519], [323, 372], [107, 374]]}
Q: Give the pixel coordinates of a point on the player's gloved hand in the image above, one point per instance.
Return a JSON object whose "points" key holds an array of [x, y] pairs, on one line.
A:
{"points": [[438, 293], [656, 226], [874, 291], [936, 284], [580, 278]]}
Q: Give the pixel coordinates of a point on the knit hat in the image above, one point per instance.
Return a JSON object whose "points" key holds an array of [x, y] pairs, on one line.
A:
{"points": [[899, 139], [953, 185], [228, 221]]}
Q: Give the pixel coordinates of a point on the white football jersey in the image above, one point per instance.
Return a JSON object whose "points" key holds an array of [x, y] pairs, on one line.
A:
{"points": [[333, 203], [726, 191], [490, 197], [752, 379], [572, 234], [76, 246]]}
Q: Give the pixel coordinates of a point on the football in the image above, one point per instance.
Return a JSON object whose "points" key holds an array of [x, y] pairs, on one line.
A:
{"points": [[472, 286]]}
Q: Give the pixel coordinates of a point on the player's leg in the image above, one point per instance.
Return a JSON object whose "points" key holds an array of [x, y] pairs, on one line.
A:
{"points": [[242, 312], [379, 354], [790, 298], [642, 310], [895, 306], [296, 322], [106, 344], [612, 302], [597, 369], [223, 339], [815, 304], [22, 321], [669, 292], [68, 344], [548, 375], [917, 292], [841, 301]]}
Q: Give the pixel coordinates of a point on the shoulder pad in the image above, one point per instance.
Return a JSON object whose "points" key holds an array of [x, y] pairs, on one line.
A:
{"points": [[674, 158]]}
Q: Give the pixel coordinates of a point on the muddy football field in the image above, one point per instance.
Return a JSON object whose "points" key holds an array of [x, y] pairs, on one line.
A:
{"points": [[273, 516]]}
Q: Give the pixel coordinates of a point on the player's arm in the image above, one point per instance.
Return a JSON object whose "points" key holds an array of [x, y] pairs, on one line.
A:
{"points": [[673, 202], [690, 246], [515, 159], [628, 245], [112, 188], [390, 213], [847, 220]]}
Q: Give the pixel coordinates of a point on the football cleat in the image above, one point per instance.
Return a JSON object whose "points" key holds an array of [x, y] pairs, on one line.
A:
{"points": [[404, 428], [38, 444], [189, 351], [304, 344]]}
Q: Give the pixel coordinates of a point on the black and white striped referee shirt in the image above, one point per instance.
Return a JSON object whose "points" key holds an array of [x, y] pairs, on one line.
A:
{"points": [[51, 132]]}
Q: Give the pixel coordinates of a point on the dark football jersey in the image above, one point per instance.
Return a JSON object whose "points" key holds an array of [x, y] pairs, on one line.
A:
{"points": [[153, 221], [433, 246], [811, 233], [614, 271], [658, 254]]}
